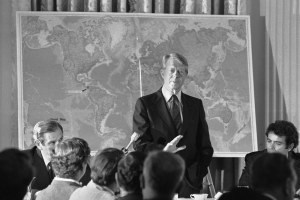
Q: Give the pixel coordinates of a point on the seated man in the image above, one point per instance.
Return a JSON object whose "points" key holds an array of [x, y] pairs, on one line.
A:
{"points": [[282, 137], [69, 163], [163, 172], [16, 174], [45, 135], [273, 175]]}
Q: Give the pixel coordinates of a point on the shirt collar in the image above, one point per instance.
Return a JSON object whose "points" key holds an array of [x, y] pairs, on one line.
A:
{"points": [[270, 196], [40, 153], [167, 94], [66, 180]]}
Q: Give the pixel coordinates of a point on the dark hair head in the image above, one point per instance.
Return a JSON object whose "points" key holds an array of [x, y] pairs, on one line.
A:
{"points": [[43, 127], [271, 170], [130, 168], [16, 173], [69, 157], [104, 166], [163, 172], [243, 193], [287, 129]]}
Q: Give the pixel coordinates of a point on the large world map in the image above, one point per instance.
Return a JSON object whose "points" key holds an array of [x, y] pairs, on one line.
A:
{"points": [[87, 71]]}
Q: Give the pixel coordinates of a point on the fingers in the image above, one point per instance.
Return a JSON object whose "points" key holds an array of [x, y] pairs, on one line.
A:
{"points": [[134, 136], [176, 140], [180, 149]]}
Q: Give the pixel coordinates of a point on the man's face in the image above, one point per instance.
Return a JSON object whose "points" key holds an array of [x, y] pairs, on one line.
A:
{"points": [[277, 143], [174, 75], [48, 146]]}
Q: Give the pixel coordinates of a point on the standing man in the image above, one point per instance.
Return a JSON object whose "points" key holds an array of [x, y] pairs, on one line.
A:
{"points": [[282, 137], [176, 122]]}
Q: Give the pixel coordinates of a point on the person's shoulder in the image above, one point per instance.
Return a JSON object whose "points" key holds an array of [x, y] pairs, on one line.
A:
{"points": [[30, 151], [189, 97], [243, 193], [153, 97], [78, 193], [254, 154], [295, 156], [191, 100]]}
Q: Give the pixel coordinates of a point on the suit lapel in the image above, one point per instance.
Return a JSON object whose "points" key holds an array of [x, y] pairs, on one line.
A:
{"points": [[163, 111], [187, 113]]}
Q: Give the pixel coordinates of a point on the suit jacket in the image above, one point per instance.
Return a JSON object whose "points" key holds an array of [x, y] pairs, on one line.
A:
{"points": [[153, 122], [251, 157], [41, 176], [58, 190]]}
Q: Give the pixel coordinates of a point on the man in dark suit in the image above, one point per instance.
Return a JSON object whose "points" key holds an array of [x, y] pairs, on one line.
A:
{"points": [[45, 135], [282, 137], [169, 113]]}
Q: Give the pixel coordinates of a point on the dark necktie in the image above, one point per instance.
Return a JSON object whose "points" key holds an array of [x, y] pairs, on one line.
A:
{"points": [[50, 171], [175, 112]]}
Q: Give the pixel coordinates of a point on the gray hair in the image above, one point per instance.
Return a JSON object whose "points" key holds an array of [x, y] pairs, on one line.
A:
{"points": [[174, 56]]}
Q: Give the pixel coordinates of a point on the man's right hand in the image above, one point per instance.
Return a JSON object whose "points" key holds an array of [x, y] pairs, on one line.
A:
{"points": [[171, 146]]}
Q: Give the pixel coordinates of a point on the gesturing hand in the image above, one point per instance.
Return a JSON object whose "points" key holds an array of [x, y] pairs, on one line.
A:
{"points": [[171, 146]]}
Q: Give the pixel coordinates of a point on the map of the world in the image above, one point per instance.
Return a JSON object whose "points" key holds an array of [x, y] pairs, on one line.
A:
{"points": [[87, 71]]}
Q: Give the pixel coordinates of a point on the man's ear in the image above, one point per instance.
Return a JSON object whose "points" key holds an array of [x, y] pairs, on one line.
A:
{"points": [[38, 144], [116, 177], [290, 147], [162, 72], [142, 181]]}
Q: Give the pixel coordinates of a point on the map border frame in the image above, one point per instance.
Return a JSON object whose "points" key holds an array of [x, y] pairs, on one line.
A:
{"points": [[20, 14]]}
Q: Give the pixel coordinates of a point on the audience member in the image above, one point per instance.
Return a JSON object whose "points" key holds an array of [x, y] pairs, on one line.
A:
{"points": [[273, 175], [45, 135], [103, 184], [16, 173], [69, 164], [162, 175], [242, 193], [130, 169], [282, 137]]}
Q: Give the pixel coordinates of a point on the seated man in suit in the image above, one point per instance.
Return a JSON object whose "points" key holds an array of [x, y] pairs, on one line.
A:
{"points": [[273, 175], [45, 135], [16, 174], [163, 173], [282, 137]]}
